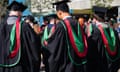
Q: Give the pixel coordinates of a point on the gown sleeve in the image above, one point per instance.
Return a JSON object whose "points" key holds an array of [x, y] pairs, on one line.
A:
{"points": [[30, 49]]}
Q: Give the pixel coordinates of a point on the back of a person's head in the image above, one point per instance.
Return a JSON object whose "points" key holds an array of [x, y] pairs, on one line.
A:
{"points": [[51, 18], [30, 17], [35, 22], [62, 7], [98, 17]]}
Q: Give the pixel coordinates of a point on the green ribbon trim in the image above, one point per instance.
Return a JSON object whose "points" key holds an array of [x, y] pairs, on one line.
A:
{"points": [[12, 38], [70, 57], [111, 59], [17, 61], [78, 40], [45, 36], [91, 29]]}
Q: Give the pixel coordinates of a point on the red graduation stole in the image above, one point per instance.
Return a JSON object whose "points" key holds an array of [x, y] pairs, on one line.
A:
{"points": [[14, 47], [111, 49], [78, 43]]}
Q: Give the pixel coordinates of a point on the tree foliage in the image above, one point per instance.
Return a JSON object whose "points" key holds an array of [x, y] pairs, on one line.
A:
{"points": [[3, 8], [42, 6], [102, 3]]}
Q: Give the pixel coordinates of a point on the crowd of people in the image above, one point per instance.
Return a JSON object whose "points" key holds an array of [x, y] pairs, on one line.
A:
{"points": [[67, 44]]}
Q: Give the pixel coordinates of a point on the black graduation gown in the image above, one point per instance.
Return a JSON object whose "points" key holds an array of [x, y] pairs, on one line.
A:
{"points": [[5, 30], [30, 49], [96, 58], [57, 45]]}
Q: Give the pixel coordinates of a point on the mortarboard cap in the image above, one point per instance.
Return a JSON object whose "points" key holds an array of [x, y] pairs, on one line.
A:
{"points": [[62, 5], [60, 2], [99, 9], [16, 6], [99, 12], [52, 16]]}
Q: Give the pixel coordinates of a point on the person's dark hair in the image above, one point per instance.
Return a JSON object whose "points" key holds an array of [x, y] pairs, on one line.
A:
{"points": [[30, 17], [62, 7], [35, 22], [98, 17], [16, 6]]}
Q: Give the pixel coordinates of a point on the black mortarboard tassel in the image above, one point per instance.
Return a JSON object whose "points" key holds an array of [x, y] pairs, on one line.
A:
{"points": [[16, 6]]}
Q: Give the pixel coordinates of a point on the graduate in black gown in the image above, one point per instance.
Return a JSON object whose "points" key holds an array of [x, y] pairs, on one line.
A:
{"points": [[30, 46], [96, 58], [63, 57], [99, 59], [14, 55], [49, 29], [10, 51]]}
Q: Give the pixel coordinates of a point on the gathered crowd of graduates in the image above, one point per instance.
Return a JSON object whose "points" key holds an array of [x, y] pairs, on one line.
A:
{"points": [[63, 43]]}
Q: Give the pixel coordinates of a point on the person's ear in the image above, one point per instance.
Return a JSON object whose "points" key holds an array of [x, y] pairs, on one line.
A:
{"points": [[60, 13]]}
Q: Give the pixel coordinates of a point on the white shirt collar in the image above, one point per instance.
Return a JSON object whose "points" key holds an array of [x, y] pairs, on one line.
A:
{"points": [[98, 23], [66, 17], [102, 24]]}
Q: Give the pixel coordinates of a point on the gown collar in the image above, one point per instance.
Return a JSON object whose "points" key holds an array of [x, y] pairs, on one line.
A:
{"points": [[66, 17]]}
